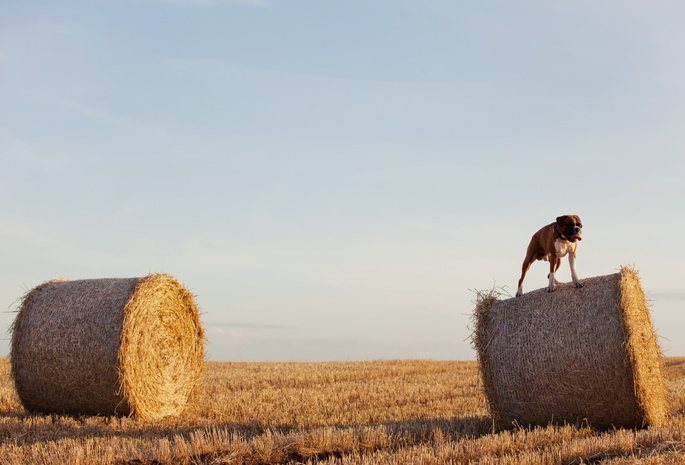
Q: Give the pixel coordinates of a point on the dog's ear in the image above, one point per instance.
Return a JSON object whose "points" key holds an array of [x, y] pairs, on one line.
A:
{"points": [[561, 220]]}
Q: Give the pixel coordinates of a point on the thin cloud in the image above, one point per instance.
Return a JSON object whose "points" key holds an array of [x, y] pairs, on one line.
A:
{"points": [[675, 294], [112, 119], [252, 325], [259, 3]]}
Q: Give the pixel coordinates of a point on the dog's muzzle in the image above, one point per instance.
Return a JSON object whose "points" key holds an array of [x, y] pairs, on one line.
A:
{"points": [[577, 234]]}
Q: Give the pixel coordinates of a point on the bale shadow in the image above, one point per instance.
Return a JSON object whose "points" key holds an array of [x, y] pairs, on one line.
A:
{"points": [[28, 428]]}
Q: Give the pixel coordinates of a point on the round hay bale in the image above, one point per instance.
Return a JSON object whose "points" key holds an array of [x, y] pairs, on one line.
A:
{"points": [[125, 346], [579, 356]]}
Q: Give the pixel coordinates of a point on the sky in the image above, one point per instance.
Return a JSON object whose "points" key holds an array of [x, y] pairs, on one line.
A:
{"points": [[334, 180]]}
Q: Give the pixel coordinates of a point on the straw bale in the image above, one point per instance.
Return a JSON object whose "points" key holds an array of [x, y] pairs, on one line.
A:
{"points": [[579, 356], [125, 346]]}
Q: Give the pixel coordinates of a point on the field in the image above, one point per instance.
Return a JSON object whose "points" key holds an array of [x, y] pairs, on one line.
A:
{"points": [[377, 412]]}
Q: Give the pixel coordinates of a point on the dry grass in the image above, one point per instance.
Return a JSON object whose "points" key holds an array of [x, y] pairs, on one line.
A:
{"points": [[382, 412]]}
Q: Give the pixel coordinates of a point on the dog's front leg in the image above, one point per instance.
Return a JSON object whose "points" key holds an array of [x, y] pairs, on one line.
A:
{"points": [[552, 283], [574, 275], [554, 263]]}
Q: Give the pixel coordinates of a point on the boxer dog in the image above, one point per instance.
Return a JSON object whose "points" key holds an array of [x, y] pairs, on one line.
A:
{"points": [[552, 243]]}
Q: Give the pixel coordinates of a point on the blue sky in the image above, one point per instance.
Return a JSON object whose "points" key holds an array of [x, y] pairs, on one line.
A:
{"points": [[332, 179]]}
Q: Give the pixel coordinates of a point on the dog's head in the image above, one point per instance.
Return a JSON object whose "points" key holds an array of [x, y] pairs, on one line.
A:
{"points": [[570, 227]]}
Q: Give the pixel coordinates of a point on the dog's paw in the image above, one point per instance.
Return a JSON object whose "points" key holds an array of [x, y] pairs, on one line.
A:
{"points": [[551, 288], [578, 284]]}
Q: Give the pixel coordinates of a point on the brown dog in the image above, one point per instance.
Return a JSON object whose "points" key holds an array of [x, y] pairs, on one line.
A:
{"points": [[552, 243]]}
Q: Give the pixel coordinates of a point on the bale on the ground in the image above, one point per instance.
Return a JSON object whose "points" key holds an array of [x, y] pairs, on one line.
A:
{"points": [[124, 346], [578, 355]]}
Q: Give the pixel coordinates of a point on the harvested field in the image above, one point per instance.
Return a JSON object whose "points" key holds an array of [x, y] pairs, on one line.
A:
{"points": [[380, 412]]}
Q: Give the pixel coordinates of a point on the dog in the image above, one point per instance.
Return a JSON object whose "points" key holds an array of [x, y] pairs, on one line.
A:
{"points": [[552, 243]]}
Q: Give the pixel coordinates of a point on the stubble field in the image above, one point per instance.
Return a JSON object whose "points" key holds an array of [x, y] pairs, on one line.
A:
{"points": [[377, 412]]}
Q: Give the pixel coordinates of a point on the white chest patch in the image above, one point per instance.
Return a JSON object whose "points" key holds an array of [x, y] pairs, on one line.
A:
{"points": [[564, 247]]}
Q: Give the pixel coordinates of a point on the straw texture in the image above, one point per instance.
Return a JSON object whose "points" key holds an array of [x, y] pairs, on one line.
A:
{"points": [[587, 355], [127, 346]]}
